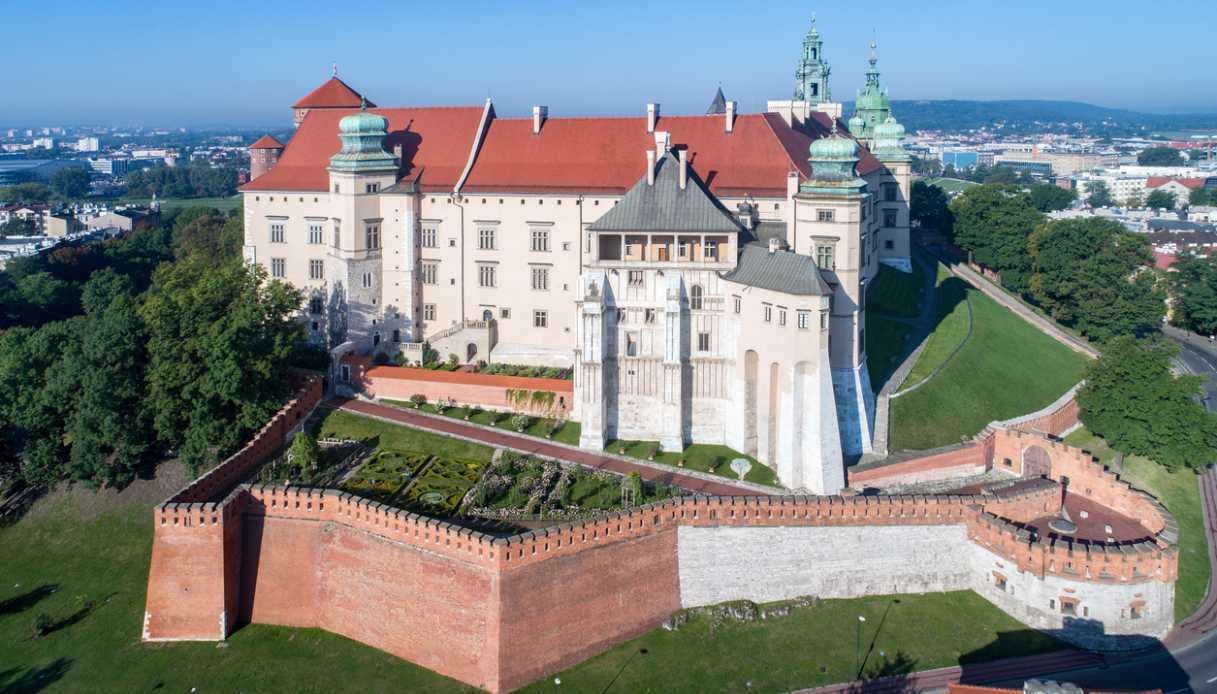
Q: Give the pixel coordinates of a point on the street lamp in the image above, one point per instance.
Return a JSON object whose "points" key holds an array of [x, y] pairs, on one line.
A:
{"points": [[858, 647]]}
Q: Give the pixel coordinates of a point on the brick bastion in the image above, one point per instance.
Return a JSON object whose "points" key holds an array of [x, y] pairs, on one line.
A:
{"points": [[500, 612]]}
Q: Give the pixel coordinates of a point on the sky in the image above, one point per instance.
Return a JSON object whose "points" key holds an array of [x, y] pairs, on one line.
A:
{"points": [[122, 62]]}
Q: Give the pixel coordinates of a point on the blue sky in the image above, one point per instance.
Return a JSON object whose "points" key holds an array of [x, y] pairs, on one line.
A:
{"points": [[177, 63]]}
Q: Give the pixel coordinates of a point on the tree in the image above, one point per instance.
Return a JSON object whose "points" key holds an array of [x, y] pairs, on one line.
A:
{"points": [[48, 298], [26, 193], [219, 340], [18, 226], [1093, 274], [1160, 156], [930, 209], [1132, 399], [1203, 196], [305, 456], [993, 222], [108, 428], [205, 233], [1133, 200], [1160, 200], [71, 183], [1000, 174], [926, 167], [1193, 289], [1099, 195], [1049, 198]]}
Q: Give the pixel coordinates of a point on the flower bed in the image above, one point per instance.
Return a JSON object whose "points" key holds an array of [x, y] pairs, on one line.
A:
{"points": [[442, 486], [385, 474]]}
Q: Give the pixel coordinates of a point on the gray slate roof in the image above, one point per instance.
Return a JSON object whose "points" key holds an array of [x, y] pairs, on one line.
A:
{"points": [[718, 105], [780, 271], [665, 207]]}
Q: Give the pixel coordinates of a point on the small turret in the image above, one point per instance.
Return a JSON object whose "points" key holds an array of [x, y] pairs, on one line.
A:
{"points": [[263, 155], [363, 135]]}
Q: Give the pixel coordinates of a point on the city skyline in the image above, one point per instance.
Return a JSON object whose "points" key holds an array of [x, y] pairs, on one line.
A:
{"points": [[247, 68]]}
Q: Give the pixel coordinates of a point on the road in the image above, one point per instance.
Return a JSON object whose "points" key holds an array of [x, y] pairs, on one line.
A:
{"points": [[1198, 356]]}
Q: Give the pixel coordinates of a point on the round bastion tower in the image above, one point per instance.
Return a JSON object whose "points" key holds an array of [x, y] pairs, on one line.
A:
{"points": [[263, 155]]}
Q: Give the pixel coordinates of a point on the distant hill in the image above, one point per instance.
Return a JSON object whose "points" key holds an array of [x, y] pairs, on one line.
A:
{"points": [[1025, 115]]}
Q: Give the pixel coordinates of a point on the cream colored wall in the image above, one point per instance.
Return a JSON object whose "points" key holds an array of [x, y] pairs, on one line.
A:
{"points": [[844, 231]]}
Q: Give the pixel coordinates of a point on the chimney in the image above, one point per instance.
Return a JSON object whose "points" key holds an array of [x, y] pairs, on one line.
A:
{"points": [[539, 114], [684, 168], [650, 167], [652, 117], [773, 245], [730, 113], [663, 142], [397, 154]]}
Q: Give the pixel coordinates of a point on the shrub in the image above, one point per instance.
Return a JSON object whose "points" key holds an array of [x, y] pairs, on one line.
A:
{"points": [[418, 399], [453, 360], [430, 356], [41, 625], [521, 422], [380, 359]]}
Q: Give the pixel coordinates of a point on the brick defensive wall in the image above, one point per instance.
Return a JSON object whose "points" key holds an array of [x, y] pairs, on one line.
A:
{"points": [[500, 612]]}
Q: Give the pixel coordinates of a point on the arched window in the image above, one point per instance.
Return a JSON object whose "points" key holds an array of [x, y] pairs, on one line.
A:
{"points": [[487, 315], [695, 297]]}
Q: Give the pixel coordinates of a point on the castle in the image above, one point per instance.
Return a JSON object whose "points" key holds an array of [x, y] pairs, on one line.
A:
{"points": [[704, 275]]}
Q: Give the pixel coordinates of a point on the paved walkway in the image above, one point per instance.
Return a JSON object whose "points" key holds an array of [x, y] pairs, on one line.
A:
{"points": [[529, 444]]}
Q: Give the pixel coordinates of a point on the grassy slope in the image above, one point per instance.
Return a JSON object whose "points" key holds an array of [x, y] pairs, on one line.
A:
{"points": [[896, 293], [168, 204], [105, 560], [1180, 493], [951, 185], [950, 329], [810, 647], [886, 341], [1007, 368]]}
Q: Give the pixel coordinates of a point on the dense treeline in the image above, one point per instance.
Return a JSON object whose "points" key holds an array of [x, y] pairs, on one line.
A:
{"points": [[194, 180], [114, 354]]}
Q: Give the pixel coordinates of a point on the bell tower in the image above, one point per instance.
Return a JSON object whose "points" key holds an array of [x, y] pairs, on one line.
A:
{"points": [[811, 75]]}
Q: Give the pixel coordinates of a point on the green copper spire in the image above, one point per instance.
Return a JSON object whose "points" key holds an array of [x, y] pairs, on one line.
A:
{"points": [[811, 75], [872, 106], [363, 135]]}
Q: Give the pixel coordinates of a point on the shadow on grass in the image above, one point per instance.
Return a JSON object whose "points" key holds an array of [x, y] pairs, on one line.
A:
{"points": [[890, 676], [35, 679], [27, 600]]}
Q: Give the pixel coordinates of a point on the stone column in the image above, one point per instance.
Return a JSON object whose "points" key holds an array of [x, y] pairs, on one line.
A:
{"points": [[590, 392], [672, 416]]}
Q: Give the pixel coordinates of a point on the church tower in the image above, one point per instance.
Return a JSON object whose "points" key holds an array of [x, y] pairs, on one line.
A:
{"points": [[811, 76], [872, 106]]}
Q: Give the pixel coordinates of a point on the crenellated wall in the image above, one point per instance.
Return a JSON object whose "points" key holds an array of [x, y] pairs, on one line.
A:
{"points": [[500, 612]]}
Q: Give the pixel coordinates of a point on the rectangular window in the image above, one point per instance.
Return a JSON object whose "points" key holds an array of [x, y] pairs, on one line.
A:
{"points": [[430, 236], [367, 280], [277, 234], [314, 233], [486, 238], [634, 278], [566, 245], [540, 319], [371, 236], [631, 344], [337, 188], [711, 252], [703, 342], [823, 320], [278, 267], [315, 305], [804, 320], [371, 187], [824, 256], [540, 278], [428, 311], [316, 269], [738, 303], [504, 313], [430, 270], [781, 316], [890, 191], [1069, 608], [487, 276], [540, 240], [649, 315], [889, 218], [768, 311], [889, 244], [824, 215]]}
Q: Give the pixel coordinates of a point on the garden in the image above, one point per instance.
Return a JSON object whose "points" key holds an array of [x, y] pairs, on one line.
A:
{"points": [[555, 428]]}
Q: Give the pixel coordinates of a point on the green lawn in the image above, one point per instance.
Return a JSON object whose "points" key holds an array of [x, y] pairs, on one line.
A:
{"points": [[703, 457], [58, 561], [1180, 493], [896, 293], [1007, 368], [170, 204], [345, 425], [951, 185], [812, 646], [540, 427], [951, 326], [887, 341]]}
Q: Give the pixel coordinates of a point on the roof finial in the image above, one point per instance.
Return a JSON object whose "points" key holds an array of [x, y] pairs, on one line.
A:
{"points": [[813, 18], [334, 70], [363, 103], [834, 127]]}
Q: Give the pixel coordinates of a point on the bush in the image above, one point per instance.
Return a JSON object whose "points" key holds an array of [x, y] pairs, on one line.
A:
{"points": [[41, 625], [418, 399], [380, 359], [453, 360], [521, 422]]}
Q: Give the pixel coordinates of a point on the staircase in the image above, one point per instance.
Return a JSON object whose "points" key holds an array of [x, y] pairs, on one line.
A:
{"points": [[469, 340]]}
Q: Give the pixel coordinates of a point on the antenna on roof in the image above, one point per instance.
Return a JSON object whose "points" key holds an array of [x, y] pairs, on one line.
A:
{"points": [[333, 69]]}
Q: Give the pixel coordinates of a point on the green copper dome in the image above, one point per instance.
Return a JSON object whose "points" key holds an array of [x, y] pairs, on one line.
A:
{"points": [[889, 130], [856, 124], [833, 148], [834, 161], [363, 135]]}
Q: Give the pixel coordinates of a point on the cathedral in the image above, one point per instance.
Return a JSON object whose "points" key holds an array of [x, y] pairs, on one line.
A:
{"points": [[704, 275]]}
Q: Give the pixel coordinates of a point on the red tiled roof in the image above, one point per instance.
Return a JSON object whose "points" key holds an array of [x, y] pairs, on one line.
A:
{"points": [[333, 94], [1163, 261], [435, 144], [557, 385], [1155, 181], [266, 142], [607, 154]]}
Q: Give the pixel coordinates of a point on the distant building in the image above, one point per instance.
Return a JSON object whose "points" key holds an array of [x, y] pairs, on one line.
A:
{"points": [[62, 224], [961, 160], [1181, 188], [1035, 167], [88, 144], [27, 170], [130, 219]]}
